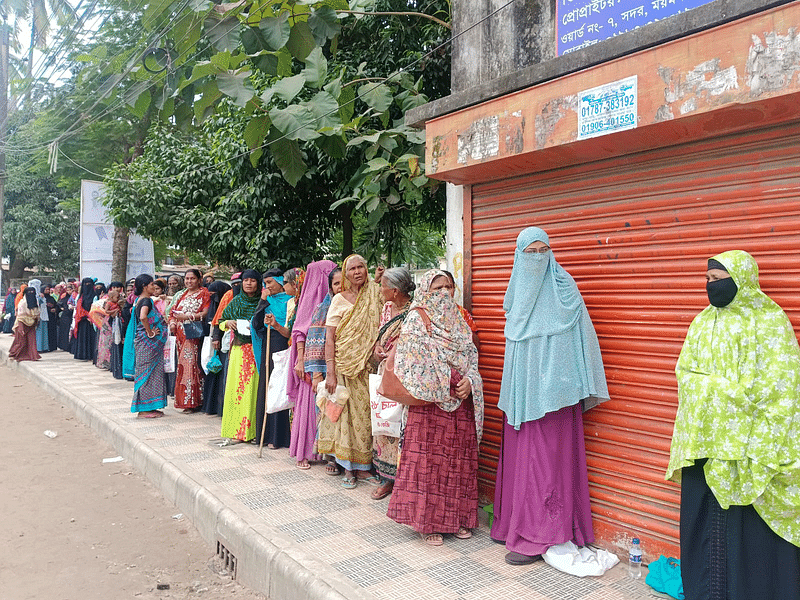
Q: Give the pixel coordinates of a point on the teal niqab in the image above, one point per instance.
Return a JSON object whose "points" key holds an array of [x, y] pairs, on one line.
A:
{"points": [[552, 356]]}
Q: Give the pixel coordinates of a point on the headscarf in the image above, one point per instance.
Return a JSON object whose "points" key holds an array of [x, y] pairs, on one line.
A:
{"points": [[277, 302], [552, 356], [356, 332], [36, 284], [86, 296], [32, 295], [243, 306], [20, 294], [346, 282], [217, 289], [314, 290], [739, 402], [424, 359]]}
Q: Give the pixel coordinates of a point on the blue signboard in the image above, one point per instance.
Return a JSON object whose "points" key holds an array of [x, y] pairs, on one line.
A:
{"points": [[581, 23]]}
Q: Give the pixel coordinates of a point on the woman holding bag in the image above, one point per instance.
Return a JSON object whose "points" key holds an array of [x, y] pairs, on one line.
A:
{"points": [[271, 312], [436, 489], [186, 323], [351, 329], [149, 392], [214, 383], [396, 287]]}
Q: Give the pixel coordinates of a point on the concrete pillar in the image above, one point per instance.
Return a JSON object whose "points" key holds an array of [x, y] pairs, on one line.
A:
{"points": [[454, 237]]}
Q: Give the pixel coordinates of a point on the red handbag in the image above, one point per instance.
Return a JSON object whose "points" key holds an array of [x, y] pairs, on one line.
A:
{"points": [[391, 387]]}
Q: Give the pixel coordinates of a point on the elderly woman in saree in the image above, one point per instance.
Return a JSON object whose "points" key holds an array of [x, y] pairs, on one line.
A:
{"points": [[436, 489], [553, 370], [272, 312], [397, 286], [24, 345], [351, 328], [83, 340], [214, 383], [241, 386], [735, 445], [189, 308], [149, 394], [301, 393]]}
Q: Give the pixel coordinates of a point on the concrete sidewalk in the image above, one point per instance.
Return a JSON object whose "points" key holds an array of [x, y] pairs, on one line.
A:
{"points": [[293, 534]]}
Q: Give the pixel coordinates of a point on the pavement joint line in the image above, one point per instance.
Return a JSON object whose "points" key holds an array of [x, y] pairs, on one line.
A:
{"points": [[268, 561]]}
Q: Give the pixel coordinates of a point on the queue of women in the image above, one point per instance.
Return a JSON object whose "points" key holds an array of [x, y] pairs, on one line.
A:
{"points": [[734, 445]]}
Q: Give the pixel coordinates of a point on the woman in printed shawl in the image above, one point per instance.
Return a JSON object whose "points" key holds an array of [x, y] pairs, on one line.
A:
{"points": [[351, 328], [83, 343], [66, 304], [109, 311], [214, 383], [436, 490], [304, 422], [24, 345], [189, 305], [271, 312], [241, 386], [552, 370], [396, 287], [735, 445], [149, 393]]}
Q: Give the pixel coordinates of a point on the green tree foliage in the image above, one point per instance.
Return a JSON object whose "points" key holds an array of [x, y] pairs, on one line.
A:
{"points": [[321, 96]]}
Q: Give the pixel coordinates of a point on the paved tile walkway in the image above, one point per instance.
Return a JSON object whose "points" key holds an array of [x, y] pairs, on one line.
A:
{"points": [[347, 530]]}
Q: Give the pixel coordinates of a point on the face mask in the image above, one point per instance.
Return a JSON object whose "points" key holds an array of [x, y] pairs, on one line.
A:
{"points": [[721, 292]]}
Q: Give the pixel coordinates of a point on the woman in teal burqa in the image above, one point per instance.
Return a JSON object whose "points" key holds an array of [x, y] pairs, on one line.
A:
{"points": [[552, 371], [735, 446]]}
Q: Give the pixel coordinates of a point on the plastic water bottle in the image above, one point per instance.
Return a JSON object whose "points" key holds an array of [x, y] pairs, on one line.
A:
{"points": [[635, 560]]}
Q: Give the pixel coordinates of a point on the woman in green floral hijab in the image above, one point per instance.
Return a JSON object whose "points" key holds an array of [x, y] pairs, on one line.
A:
{"points": [[736, 446]]}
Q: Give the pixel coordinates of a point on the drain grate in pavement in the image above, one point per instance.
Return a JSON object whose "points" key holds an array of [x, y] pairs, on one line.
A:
{"points": [[227, 558]]}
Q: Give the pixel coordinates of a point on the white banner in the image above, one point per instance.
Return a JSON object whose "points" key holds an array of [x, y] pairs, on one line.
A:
{"points": [[97, 237]]}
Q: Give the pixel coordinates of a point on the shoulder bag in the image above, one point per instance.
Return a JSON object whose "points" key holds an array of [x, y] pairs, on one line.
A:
{"points": [[391, 387]]}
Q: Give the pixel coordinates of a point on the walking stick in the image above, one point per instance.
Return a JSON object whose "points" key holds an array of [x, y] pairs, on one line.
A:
{"points": [[266, 395]]}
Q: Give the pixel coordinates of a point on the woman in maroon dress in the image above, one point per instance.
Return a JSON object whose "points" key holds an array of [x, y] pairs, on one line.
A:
{"points": [[436, 489], [24, 345]]}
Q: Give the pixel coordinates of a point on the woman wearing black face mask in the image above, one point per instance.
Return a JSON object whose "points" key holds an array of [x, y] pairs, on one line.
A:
{"points": [[734, 447]]}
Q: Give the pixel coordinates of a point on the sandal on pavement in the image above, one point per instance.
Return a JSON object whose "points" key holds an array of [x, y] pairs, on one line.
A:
{"points": [[380, 492], [515, 558], [432, 539], [332, 469], [303, 466], [371, 479], [463, 533], [349, 483], [150, 415]]}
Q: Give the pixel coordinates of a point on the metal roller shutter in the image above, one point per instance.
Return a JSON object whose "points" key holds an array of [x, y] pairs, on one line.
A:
{"points": [[635, 233]]}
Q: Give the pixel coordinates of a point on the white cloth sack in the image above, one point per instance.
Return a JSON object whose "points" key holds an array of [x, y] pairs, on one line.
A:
{"points": [[115, 331], [277, 398], [169, 354], [387, 415], [583, 562], [205, 353]]}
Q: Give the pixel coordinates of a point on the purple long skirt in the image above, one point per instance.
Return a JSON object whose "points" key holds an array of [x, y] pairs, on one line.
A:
{"points": [[304, 424], [542, 493]]}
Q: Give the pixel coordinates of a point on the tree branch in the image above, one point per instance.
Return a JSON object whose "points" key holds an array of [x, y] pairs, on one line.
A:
{"points": [[399, 14]]}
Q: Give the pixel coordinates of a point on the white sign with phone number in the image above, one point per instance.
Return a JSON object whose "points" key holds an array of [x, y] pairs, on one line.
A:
{"points": [[608, 108]]}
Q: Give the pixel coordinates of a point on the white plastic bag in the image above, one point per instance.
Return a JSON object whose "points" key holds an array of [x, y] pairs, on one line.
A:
{"points": [[387, 415], [277, 398], [169, 355], [116, 332], [227, 341], [205, 353], [583, 562]]}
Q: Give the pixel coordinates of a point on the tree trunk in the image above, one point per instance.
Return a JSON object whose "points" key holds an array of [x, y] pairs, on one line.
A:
{"points": [[347, 230], [16, 269], [119, 256]]}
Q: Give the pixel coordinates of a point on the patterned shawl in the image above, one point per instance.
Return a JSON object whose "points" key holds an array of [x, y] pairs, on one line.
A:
{"points": [[357, 331], [242, 307], [315, 339], [424, 361], [739, 402]]}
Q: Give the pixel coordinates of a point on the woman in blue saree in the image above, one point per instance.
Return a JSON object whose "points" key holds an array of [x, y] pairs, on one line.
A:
{"points": [[149, 388]]}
